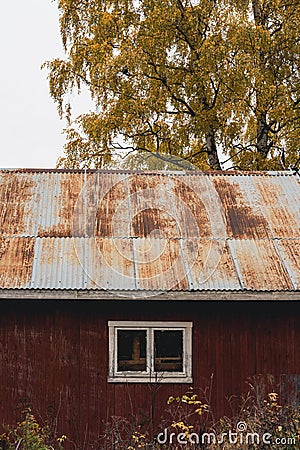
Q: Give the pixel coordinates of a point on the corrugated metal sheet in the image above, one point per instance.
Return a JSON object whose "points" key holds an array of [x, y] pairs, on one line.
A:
{"points": [[280, 203], [83, 263], [159, 264], [179, 206], [16, 262], [109, 264], [211, 266], [16, 194], [244, 216], [149, 231], [56, 264], [38, 204], [259, 265], [289, 251]]}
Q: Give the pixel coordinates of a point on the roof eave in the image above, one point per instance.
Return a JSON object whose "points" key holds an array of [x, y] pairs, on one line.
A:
{"points": [[105, 295]]}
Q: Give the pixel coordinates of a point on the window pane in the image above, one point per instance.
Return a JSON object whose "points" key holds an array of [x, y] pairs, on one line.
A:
{"points": [[131, 350], [168, 347]]}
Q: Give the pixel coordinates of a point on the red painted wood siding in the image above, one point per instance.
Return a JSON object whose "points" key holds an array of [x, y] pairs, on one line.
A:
{"points": [[54, 357]]}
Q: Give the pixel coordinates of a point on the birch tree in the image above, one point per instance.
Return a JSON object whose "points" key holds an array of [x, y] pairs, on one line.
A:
{"points": [[195, 79]]}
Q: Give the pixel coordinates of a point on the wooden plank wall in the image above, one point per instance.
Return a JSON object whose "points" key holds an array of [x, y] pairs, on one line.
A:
{"points": [[54, 357]]}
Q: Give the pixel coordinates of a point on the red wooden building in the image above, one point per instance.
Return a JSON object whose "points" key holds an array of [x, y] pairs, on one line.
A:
{"points": [[117, 286]]}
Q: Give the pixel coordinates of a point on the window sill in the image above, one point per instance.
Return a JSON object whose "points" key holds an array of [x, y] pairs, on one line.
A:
{"points": [[152, 379]]}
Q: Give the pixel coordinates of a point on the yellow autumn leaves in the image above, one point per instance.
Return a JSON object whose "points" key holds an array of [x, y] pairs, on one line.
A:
{"points": [[206, 81]]}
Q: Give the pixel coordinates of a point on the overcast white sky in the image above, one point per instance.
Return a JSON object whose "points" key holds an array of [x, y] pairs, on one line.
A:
{"points": [[31, 131]]}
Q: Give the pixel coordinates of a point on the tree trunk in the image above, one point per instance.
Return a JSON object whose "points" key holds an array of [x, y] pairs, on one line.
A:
{"points": [[262, 131], [256, 13], [262, 135], [211, 149]]}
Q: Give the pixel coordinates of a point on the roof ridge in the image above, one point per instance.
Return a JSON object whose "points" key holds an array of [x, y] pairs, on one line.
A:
{"points": [[152, 172]]}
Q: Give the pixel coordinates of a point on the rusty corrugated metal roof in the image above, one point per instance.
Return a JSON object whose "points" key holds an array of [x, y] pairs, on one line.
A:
{"points": [[124, 230]]}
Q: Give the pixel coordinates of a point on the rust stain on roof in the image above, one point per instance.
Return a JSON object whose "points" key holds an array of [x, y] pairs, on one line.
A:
{"points": [[113, 264], [16, 261], [290, 252], [141, 182], [153, 231], [15, 191], [70, 186], [154, 220], [259, 265], [150, 208], [112, 217], [159, 264], [194, 217], [242, 221], [211, 265], [181, 211], [281, 208]]}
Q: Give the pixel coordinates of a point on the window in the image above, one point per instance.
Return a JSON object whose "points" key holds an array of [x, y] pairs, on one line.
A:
{"points": [[150, 352]]}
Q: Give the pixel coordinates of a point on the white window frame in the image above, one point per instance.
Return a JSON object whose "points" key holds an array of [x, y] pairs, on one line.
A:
{"points": [[115, 376]]}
